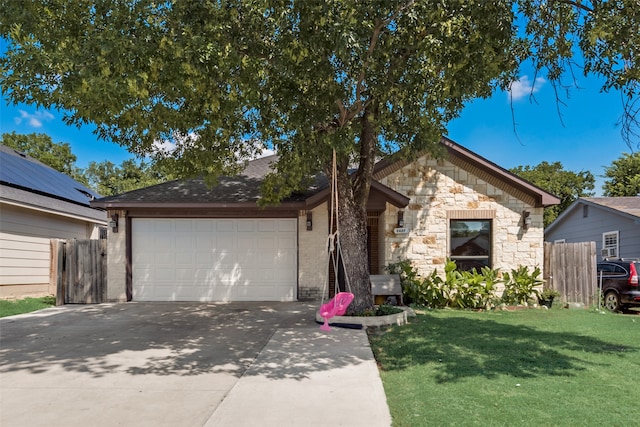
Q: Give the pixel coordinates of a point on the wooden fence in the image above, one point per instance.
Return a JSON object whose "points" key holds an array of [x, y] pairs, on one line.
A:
{"points": [[79, 268], [570, 268]]}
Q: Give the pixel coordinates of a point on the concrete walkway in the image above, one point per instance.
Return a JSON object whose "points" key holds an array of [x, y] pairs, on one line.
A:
{"points": [[186, 364], [306, 377]]}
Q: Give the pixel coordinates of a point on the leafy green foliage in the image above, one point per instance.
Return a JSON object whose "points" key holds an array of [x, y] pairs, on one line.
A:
{"points": [[623, 176], [457, 289], [108, 179], [567, 185], [520, 286], [41, 147]]}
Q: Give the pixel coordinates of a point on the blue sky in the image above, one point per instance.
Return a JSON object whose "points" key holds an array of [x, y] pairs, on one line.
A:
{"points": [[589, 140]]}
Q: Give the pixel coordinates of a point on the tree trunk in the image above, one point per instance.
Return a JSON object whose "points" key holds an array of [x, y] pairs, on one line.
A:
{"points": [[353, 242], [353, 194]]}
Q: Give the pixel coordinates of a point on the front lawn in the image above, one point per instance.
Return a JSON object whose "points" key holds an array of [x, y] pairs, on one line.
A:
{"points": [[532, 367]]}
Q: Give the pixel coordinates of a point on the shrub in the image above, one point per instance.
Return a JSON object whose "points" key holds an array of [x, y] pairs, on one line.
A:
{"points": [[520, 285], [460, 289]]}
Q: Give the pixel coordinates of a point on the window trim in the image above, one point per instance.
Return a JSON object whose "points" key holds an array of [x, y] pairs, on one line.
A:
{"points": [[609, 234], [488, 257]]}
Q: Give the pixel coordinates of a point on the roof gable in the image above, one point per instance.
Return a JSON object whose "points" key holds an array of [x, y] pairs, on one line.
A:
{"points": [[483, 168]]}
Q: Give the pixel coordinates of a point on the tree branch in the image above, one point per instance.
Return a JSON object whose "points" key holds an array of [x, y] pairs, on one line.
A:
{"points": [[576, 4]]}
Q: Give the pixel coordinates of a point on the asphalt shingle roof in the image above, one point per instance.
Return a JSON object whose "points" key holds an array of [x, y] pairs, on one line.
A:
{"points": [[630, 205], [244, 188]]}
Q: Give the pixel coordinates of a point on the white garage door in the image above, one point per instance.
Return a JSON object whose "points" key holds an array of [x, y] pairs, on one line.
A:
{"points": [[214, 259]]}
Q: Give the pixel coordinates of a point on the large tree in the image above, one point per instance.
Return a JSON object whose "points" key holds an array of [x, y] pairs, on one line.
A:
{"points": [[224, 79], [108, 179], [40, 146], [552, 177], [622, 178]]}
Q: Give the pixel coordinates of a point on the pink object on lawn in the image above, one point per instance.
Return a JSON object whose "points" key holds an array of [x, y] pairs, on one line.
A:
{"points": [[337, 306]]}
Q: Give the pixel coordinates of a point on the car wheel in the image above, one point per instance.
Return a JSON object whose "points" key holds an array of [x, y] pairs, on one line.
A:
{"points": [[612, 301]]}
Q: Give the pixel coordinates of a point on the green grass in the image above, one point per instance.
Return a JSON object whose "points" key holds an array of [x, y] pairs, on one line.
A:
{"points": [[26, 305], [527, 368]]}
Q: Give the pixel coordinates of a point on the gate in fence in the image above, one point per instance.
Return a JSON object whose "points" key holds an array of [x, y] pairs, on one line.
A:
{"points": [[79, 268], [570, 268]]}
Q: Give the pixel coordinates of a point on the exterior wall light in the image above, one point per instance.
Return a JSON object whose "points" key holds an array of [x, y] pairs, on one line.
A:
{"points": [[526, 219], [113, 223], [400, 219], [309, 221]]}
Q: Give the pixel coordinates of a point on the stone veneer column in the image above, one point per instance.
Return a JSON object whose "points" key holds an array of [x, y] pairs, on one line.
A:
{"points": [[117, 260], [312, 254]]}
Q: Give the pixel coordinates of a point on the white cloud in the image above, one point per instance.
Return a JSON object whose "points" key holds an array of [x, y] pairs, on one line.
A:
{"points": [[163, 146], [523, 87], [34, 120]]}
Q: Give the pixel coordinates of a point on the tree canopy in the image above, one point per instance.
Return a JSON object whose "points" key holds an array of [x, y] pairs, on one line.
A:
{"points": [[622, 178], [552, 177], [108, 179], [221, 80]]}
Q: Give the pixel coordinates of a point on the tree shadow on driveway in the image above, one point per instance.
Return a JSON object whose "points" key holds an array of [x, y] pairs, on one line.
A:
{"points": [[184, 339]]}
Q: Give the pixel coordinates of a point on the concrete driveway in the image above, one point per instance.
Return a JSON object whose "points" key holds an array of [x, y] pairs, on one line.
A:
{"points": [[172, 364]]}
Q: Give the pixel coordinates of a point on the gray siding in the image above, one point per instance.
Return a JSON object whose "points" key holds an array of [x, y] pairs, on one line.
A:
{"points": [[577, 228]]}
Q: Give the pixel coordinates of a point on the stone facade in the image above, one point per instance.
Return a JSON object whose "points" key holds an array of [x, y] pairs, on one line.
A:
{"points": [[441, 191]]}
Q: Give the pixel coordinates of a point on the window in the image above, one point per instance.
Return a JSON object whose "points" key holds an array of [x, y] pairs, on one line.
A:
{"points": [[585, 211], [610, 244], [470, 243]]}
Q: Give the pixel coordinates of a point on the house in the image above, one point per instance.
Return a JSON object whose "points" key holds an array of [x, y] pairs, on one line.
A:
{"points": [[613, 223], [182, 240], [37, 204]]}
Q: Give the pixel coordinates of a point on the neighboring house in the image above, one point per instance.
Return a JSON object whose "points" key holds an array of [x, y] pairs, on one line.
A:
{"points": [[612, 222], [37, 204], [182, 240]]}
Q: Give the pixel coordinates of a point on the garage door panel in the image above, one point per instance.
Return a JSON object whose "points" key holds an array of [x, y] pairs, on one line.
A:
{"points": [[223, 225], [182, 225], [184, 258], [164, 258], [267, 243], [286, 242], [214, 259]]}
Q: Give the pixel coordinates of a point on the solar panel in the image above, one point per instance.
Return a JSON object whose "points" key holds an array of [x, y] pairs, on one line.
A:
{"points": [[23, 171]]}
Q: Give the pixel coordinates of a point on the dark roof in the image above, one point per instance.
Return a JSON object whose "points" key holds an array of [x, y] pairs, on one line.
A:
{"points": [[241, 189], [23, 172]]}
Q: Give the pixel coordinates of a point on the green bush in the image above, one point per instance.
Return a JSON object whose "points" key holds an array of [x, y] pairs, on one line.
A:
{"points": [[459, 289], [520, 285]]}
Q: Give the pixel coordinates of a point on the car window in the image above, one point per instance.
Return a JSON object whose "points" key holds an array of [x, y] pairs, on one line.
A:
{"points": [[608, 269]]}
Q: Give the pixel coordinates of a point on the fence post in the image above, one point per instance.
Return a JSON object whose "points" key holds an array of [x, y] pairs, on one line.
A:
{"points": [[58, 269]]}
